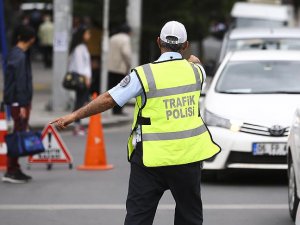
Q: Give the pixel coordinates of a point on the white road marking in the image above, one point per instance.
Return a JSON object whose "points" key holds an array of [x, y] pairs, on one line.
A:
{"points": [[55, 207]]}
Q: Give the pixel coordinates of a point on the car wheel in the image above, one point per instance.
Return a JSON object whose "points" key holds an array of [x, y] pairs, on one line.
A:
{"points": [[293, 197]]}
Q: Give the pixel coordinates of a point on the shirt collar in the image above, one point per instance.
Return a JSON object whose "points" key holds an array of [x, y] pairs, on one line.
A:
{"points": [[169, 56]]}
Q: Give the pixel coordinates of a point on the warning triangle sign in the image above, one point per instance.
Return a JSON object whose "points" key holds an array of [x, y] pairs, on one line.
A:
{"points": [[55, 149]]}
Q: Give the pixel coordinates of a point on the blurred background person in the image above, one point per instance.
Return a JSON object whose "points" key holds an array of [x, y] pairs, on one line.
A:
{"points": [[45, 35], [76, 23], [24, 21], [36, 18], [119, 59], [212, 45], [18, 93], [80, 63]]}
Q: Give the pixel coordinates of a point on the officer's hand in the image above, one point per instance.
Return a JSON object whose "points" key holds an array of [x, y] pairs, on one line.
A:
{"points": [[194, 59], [63, 122]]}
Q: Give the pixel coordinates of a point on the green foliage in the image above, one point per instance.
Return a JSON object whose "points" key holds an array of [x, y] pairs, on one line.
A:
{"points": [[196, 15], [93, 8]]}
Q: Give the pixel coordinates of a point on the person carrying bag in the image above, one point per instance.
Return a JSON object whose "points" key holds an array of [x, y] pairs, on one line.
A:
{"points": [[78, 77], [18, 93]]}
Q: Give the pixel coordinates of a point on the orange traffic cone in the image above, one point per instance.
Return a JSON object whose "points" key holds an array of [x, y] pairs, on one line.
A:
{"points": [[95, 157], [3, 132]]}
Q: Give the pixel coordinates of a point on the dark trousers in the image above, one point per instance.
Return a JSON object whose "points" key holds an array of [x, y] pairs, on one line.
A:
{"points": [[113, 80], [20, 124], [81, 98], [147, 185], [47, 55]]}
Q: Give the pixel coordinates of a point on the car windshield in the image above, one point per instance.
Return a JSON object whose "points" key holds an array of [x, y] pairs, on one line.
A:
{"points": [[260, 77], [262, 43], [251, 22]]}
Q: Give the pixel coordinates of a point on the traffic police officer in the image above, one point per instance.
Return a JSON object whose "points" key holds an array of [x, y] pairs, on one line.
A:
{"points": [[169, 140]]}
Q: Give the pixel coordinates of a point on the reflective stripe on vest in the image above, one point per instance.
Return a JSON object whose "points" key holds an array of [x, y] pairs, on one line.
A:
{"points": [[154, 92], [175, 135]]}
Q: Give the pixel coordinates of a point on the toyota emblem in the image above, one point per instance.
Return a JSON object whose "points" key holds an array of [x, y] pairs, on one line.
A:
{"points": [[277, 130]]}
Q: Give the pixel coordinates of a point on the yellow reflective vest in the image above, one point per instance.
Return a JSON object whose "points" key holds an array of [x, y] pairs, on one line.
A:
{"points": [[172, 130]]}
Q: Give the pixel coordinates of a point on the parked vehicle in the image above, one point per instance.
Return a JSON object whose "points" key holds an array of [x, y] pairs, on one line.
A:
{"points": [[246, 14], [294, 165], [249, 107], [260, 38]]}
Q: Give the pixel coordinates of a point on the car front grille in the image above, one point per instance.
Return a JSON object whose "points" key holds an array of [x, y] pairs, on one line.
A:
{"points": [[248, 157], [264, 131]]}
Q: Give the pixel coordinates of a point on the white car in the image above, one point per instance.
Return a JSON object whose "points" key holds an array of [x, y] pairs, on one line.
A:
{"points": [[260, 38], [249, 107], [294, 165], [248, 14]]}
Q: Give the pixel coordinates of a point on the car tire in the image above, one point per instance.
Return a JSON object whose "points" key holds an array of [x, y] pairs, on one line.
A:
{"points": [[292, 190]]}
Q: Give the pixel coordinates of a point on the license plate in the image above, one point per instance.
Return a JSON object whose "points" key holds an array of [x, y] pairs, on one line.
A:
{"points": [[273, 149]]}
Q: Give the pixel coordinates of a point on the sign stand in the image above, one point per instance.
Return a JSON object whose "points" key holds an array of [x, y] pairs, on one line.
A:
{"points": [[56, 151]]}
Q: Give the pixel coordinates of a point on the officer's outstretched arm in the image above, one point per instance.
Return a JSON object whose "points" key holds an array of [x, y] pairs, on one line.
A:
{"points": [[98, 105]]}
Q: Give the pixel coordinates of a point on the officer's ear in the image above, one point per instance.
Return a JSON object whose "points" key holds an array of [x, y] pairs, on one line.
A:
{"points": [[185, 45]]}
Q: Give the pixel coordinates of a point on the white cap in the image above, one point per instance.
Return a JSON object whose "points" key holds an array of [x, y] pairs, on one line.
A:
{"points": [[173, 29]]}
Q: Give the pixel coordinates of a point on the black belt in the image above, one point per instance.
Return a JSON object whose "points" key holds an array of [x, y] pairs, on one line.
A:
{"points": [[143, 120]]}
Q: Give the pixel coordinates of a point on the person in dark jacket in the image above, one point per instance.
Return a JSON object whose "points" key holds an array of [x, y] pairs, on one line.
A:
{"points": [[18, 94]]}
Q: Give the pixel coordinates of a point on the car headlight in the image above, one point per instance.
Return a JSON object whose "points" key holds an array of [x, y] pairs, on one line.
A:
{"points": [[214, 120]]}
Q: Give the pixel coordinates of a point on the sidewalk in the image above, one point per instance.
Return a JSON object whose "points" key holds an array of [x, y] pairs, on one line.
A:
{"points": [[40, 116]]}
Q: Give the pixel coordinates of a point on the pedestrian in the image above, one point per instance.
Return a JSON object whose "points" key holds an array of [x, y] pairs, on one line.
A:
{"points": [[212, 44], [45, 35], [18, 93], [80, 63], [169, 140], [119, 59]]}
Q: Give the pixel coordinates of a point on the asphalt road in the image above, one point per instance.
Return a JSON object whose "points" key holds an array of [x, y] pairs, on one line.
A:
{"points": [[70, 197]]}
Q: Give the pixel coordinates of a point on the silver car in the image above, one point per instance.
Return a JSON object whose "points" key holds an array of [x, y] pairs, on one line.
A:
{"points": [[250, 14]]}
